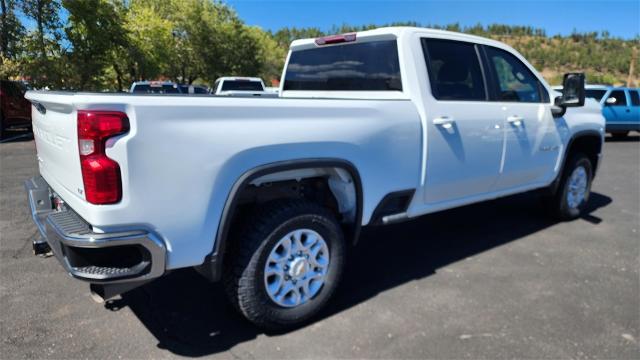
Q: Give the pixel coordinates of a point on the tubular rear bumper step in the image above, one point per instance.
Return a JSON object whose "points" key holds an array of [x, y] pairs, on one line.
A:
{"points": [[131, 257]]}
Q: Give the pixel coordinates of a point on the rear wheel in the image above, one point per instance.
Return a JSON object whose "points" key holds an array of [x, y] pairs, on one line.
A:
{"points": [[573, 191], [286, 263]]}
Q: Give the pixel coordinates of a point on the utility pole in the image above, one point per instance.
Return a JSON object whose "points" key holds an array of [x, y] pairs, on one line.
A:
{"points": [[634, 58]]}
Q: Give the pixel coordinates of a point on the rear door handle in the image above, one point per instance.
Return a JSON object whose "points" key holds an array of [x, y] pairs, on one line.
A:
{"points": [[444, 121], [516, 120]]}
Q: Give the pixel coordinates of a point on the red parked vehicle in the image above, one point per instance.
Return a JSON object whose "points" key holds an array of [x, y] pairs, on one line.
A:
{"points": [[15, 110]]}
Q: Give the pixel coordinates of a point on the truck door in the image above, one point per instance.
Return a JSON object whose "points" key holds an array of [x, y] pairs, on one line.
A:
{"points": [[616, 109], [464, 130], [634, 114], [532, 141]]}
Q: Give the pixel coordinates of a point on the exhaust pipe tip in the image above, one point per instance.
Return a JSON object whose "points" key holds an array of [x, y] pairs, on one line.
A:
{"points": [[41, 248], [97, 293]]}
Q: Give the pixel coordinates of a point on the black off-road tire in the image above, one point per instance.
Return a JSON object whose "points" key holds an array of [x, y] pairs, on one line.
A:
{"points": [[243, 275], [557, 203]]}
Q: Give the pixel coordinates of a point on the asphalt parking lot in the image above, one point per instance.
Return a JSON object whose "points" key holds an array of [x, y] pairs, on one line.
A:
{"points": [[493, 280]]}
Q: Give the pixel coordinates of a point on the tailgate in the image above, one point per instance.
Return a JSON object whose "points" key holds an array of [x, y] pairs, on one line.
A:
{"points": [[55, 132]]}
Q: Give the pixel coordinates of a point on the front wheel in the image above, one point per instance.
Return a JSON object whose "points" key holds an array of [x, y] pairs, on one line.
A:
{"points": [[286, 263], [573, 192]]}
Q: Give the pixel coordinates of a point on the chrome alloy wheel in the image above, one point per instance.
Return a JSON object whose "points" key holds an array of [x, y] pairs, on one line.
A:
{"points": [[577, 187], [296, 268]]}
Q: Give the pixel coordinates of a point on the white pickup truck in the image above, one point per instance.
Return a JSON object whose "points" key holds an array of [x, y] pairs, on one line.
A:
{"points": [[240, 86], [266, 194]]}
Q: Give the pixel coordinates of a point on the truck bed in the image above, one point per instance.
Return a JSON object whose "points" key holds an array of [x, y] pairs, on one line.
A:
{"points": [[183, 154]]}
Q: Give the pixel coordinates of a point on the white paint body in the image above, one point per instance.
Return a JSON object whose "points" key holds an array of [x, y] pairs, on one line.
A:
{"points": [[219, 84], [183, 154]]}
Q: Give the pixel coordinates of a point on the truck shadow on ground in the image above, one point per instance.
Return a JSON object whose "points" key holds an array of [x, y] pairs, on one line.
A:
{"points": [[191, 317]]}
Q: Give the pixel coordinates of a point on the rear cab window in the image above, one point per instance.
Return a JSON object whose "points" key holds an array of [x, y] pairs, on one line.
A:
{"points": [[241, 85], [359, 66], [596, 94], [155, 89]]}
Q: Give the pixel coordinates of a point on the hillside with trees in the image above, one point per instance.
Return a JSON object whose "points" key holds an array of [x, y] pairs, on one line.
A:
{"points": [[104, 45]]}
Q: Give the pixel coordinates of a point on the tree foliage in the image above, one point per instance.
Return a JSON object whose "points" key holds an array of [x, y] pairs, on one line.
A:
{"points": [[104, 45], [11, 31]]}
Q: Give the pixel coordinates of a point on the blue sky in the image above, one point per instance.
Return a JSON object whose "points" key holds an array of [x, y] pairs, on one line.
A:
{"points": [[620, 17]]}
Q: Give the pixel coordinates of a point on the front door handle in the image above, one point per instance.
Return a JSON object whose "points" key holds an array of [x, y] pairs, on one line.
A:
{"points": [[444, 121], [515, 120]]}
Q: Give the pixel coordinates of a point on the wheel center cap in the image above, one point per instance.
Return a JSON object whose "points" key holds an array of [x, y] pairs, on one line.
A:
{"points": [[298, 267]]}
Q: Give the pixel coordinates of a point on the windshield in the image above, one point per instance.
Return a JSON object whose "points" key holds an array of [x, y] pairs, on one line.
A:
{"points": [[369, 66], [241, 85]]}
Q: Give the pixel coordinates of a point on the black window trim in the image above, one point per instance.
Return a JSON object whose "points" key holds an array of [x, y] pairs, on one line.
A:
{"points": [[430, 73], [542, 93], [637, 92]]}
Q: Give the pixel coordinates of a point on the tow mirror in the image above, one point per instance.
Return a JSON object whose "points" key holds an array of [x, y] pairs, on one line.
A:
{"points": [[610, 101], [572, 93]]}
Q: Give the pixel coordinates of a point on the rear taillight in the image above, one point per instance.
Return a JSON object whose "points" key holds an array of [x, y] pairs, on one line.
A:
{"points": [[100, 174]]}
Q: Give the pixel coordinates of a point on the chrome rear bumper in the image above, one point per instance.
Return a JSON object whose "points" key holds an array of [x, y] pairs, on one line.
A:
{"points": [[100, 258]]}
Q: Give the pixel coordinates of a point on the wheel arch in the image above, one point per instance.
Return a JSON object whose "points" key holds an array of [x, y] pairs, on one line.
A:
{"points": [[589, 142], [212, 266]]}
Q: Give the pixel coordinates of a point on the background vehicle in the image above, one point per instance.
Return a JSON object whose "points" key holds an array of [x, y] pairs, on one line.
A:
{"points": [[620, 107], [239, 86], [267, 193], [155, 87], [15, 110], [193, 89]]}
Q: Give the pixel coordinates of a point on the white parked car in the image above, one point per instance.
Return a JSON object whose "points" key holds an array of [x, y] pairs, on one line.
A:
{"points": [[240, 86], [268, 193]]}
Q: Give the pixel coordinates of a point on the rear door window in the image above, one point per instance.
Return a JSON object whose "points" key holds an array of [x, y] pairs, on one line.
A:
{"points": [[454, 70], [515, 82], [367, 66]]}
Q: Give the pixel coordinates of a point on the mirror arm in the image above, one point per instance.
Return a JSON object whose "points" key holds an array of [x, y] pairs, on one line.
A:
{"points": [[557, 109]]}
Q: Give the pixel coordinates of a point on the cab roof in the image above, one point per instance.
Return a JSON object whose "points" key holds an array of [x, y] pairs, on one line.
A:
{"points": [[238, 78], [400, 32]]}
